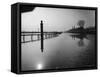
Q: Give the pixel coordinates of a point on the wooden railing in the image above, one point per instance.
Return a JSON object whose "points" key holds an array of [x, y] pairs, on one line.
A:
{"points": [[36, 36]]}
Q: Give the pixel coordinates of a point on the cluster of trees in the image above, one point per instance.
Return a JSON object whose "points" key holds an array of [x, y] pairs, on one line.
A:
{"points": [[81, 29], [81, 23]]}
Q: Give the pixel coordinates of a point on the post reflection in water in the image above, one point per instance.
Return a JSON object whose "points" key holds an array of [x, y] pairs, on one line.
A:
{"points": [[60, 52]]}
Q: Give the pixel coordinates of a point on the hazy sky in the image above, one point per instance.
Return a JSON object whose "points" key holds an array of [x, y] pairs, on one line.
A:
{"points": [[56, 19]]}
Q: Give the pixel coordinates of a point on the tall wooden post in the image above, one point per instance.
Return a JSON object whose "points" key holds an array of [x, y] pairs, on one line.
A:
{"points": [[41, 29]]}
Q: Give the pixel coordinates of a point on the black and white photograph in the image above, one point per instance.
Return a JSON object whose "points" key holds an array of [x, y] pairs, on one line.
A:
{"points": [[57, 38]]}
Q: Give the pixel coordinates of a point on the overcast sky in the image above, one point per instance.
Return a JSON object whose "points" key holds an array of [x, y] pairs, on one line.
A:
{"points": [[56, 19]]}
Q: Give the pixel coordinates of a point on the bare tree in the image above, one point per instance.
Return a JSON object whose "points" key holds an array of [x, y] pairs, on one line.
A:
{"points": [[81, 23]]}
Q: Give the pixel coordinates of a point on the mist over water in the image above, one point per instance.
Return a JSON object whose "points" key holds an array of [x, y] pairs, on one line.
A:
{"points": [[56, 19]]}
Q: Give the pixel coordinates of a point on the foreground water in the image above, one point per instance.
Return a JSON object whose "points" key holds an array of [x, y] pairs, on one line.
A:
{"points": [[65, 51]]}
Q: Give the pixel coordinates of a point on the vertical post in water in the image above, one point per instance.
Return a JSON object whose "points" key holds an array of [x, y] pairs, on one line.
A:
{"points": [[41, 27]]}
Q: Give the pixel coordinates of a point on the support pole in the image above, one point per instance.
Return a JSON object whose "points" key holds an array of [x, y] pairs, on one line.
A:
{"points": [[41, 27]]}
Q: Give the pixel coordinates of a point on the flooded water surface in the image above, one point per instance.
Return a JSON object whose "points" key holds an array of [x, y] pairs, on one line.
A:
{"points": [[64, 51]]}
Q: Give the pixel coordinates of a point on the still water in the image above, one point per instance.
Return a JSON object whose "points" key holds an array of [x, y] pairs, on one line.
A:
{"points": [[65, 51]]}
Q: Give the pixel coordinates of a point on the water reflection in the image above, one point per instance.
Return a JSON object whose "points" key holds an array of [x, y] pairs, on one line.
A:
{"points": [[39, 66], [81, 38], [65, 51]]}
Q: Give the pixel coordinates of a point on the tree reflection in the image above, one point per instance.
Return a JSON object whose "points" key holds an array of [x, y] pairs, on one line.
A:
{"points": [[81, 37]]}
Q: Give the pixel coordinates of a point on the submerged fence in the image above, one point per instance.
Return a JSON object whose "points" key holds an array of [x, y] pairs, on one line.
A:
{"points": [[36, 36]]}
